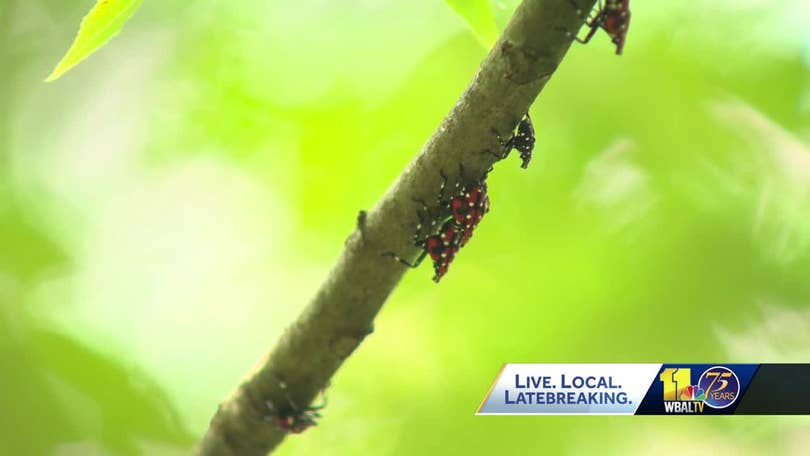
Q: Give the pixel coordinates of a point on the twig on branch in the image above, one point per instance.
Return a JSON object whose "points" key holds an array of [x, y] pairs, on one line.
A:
{"points": [[342, 313]]}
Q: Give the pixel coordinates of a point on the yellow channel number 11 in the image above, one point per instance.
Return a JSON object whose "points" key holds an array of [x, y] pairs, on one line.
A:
{"points": [[675, 379]]}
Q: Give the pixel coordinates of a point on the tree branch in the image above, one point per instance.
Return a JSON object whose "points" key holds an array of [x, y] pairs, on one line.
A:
{"points": [[341, 314]]}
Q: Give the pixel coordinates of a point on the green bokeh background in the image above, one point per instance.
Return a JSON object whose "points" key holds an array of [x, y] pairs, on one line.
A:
{"points": [[170, 205]]}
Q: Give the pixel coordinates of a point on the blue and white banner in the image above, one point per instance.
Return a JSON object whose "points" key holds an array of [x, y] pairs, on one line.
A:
{"points": [[645, 389], [568, 389]]}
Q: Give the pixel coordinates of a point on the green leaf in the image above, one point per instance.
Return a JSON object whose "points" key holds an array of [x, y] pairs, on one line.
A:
{"points": [[479, 16], [102, 23]]}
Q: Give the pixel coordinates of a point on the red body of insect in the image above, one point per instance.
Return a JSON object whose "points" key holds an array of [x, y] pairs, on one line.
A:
{"points": [[469, 208], [613, 18], [450, 226], [443, 248]]}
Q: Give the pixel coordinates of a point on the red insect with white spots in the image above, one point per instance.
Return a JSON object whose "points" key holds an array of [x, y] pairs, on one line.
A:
{"points": [[468, 204], [469, 207], [450, 226], [613, 18], [441, 247]]}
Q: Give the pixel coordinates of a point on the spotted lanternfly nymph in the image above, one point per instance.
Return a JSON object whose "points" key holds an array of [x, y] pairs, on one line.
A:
{"points": [[294, 420], [450, 226], [613, 18], [469, 205], [441, 247], [523, 141]]}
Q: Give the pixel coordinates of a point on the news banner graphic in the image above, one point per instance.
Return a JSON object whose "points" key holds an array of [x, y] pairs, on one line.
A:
{"points": [[649, 389]]}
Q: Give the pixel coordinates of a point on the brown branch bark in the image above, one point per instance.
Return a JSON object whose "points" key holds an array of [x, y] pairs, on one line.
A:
{"points": [[341, 314]]}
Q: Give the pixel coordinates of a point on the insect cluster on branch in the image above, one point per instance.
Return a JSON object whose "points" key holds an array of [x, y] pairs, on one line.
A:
{"points": [[448, 225]]}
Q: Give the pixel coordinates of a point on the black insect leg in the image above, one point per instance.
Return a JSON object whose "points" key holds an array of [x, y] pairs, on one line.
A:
{"points": [[429, 223], [593, 24], [415, 264], [293, 406], [441, 200], [424, 217], [462, 176], [418, 236], [506, 146], [320, 406]]}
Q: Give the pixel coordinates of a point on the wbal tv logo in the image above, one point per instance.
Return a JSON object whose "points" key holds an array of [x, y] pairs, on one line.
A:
{"points": [[718, 387]]}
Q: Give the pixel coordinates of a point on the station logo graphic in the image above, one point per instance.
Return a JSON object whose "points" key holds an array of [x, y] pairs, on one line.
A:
{"points": [[717, 387]]}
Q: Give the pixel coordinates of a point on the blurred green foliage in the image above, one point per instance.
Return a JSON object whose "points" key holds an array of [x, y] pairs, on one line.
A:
{"points": [[169, 206], [480, 16]]}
